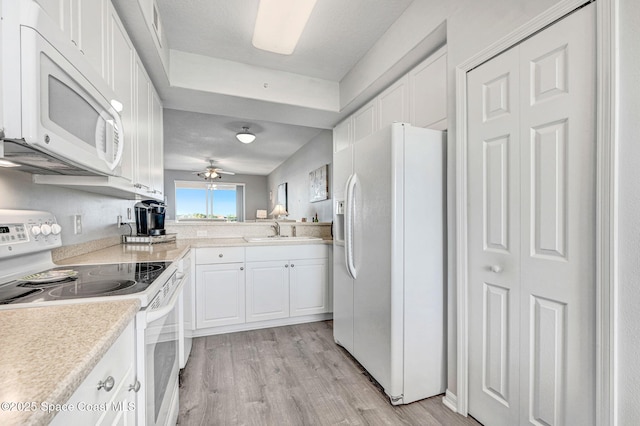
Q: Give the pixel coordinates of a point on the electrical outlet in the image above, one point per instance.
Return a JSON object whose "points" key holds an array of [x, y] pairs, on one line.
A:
{"points": [[128, 213], [201, 233], [77, 224]]}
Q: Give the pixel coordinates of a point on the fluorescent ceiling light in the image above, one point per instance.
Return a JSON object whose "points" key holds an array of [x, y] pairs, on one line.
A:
{"points": [[7, 163], [280, 23]]}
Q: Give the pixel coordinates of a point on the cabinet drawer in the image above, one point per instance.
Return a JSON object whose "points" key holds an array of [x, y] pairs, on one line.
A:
{"points": [[117, 362], [266, 253], [211, 255]]}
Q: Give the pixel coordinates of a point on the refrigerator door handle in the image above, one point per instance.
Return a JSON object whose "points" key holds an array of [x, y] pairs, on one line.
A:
{"points": [[347, 227], [349, 223]]}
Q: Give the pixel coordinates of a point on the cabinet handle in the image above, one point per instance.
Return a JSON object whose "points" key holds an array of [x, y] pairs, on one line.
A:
{"points": [[242, 268], [220, 255], [286, 266], [292, 265], [135, 387], [108, 384]]}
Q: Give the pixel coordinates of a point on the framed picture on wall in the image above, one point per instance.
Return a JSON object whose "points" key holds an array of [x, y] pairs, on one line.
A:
{"points": [[282, 196], [319, 184]]}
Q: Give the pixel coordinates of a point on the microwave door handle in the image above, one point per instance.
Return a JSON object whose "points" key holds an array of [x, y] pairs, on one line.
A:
{"points": [[165, 310], [118, 125]]}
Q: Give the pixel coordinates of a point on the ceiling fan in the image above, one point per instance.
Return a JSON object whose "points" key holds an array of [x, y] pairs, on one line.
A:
{"points": [[212, 172]]}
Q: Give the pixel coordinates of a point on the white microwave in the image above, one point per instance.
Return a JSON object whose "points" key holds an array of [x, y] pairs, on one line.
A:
{"points": [[61, 112]]}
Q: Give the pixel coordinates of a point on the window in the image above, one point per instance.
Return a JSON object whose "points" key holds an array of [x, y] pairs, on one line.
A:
{"points": [[209, 201]]}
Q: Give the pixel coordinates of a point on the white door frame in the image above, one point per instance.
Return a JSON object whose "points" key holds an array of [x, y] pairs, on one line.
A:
{"points": [[606, 196]]}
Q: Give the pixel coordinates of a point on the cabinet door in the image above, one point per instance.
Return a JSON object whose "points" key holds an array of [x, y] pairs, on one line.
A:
{"points": [[220, 295], [89, 31], [393, 103], [342, 135], [142, 108], [156, 147], [121, 72], [365, 121], [55, 9], [309, 287], [428, 82], [119, 363], [267, 290]]}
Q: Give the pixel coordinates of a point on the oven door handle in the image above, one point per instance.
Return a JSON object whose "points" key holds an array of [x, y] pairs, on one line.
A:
{"points": [[161, 312]]}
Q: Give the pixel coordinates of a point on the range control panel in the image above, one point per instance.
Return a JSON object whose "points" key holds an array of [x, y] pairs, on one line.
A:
{"points": [[14, 232], [27, 231]]}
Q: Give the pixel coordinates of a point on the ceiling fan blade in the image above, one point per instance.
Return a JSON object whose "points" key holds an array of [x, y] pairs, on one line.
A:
{"points": [[225, 173]]}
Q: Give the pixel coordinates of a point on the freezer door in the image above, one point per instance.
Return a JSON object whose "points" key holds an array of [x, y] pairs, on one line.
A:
{"points": [[372, 256], [342, 301]]}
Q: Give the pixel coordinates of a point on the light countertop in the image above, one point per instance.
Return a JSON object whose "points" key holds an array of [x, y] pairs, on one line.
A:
{"points": [[46, 352], [170, 252]]}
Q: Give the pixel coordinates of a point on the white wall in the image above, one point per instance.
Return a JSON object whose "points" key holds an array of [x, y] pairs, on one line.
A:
{"points": [[99, 213], [628, 291], [256, 195], [295, 172]]}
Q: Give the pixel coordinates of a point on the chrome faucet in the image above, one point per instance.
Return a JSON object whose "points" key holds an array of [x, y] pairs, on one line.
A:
{"points": [[276, 228]]}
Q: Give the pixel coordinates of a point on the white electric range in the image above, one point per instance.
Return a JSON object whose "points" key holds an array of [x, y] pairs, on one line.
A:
{"points": [[29, 278]]}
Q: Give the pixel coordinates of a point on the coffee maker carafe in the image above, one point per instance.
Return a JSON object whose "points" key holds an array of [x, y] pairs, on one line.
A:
{"points": [[150, 217]]}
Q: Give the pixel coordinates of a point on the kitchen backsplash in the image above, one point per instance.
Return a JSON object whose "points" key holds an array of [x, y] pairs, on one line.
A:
{"points": [[247, 229]]}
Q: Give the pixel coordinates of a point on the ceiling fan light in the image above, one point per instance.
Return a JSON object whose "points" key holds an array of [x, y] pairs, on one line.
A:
{"points": [[280, 23], [245, 136]]}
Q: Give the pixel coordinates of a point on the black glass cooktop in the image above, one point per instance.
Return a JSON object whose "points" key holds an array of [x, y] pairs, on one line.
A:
{"points": [[81, 281]]}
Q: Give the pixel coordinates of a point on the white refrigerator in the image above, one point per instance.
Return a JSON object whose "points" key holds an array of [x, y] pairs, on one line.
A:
{"points": [[389, 299]]}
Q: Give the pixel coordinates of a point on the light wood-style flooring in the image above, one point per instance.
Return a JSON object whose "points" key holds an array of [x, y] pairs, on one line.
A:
{"points": [[294, 375]]}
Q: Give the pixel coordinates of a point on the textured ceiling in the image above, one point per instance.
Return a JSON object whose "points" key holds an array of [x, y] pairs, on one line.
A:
{"points": [[191, 139], [337, 35]]}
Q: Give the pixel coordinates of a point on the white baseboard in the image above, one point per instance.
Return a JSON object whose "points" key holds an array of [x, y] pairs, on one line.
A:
{"points": [[258, 325], [450, 401]]}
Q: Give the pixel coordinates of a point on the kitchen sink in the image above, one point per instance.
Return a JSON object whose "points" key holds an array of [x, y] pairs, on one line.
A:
{"points": [[280, 239]]}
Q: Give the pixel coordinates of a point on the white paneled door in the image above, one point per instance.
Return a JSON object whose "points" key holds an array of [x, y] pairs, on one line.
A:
{"points": [[532, 171]]}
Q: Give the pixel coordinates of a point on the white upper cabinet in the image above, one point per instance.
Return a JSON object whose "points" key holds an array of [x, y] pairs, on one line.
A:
{"points": [[428, 82], [342, 135], [88, 32], [84, 23], [418, 98], [156, 147], [365, 121], [143, 130], [120, 74], [393, 103], [55, 9]]}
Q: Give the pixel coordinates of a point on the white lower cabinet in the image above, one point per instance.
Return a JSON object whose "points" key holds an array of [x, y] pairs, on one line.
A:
{"points": [[112, 403], [236, 289], [309, 287], [267, 290], [287, 281], [220, 295]]}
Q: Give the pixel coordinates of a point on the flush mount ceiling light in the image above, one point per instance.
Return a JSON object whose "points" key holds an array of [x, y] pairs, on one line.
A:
{"points": [[280, 23], [245, 136]]}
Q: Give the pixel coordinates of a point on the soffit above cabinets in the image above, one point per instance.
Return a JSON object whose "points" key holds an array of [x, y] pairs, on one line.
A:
{"points": [[204, 60]]}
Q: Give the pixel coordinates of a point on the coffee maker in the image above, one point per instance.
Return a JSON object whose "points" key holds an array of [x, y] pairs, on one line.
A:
{"points": [[150, 217]]}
